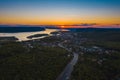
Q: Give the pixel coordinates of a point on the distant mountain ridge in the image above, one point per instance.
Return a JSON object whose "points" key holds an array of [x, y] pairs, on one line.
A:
{"points": [[20, 29], [92, 29]]}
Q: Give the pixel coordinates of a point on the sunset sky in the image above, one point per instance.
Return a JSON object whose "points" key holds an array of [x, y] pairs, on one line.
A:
{"points": [[60, 12]]}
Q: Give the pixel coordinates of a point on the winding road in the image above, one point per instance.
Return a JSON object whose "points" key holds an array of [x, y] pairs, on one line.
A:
{"points": [[66, 73]]}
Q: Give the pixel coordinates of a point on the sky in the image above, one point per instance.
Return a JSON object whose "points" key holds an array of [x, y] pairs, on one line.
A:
{"points": [[60, 12]]}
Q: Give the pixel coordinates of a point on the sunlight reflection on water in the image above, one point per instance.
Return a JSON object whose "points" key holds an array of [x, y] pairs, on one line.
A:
{"points": [[23, 35]]}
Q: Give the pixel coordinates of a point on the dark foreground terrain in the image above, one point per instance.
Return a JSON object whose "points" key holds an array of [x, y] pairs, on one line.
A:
{"points": [[98, 53], [30, 61]]}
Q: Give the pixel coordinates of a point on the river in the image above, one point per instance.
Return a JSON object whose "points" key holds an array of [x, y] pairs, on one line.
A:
{"points": [[22, 36]]}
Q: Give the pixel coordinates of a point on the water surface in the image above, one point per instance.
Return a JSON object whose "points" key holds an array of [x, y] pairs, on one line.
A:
{"points": [[22, 36]]}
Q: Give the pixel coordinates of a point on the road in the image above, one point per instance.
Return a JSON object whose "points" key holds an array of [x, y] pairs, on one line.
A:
{"points": [[66, 73]]}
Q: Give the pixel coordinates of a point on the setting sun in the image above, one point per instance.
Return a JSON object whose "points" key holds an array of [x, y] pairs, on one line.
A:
{"points": [[62, 26]]}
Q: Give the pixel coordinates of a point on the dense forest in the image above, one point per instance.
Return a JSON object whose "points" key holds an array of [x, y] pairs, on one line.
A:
{"points": [[18, 62]]}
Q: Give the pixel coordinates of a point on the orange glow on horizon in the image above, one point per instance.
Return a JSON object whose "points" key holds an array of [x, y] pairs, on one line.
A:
{"points": [[56, 20], [9, 20]]}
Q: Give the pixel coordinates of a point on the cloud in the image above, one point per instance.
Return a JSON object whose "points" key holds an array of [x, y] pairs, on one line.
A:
{"points": [[116, 24], [87, 24]]}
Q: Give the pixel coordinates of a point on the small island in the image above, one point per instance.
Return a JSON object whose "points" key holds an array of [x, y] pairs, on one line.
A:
{"points": [[56, 32], [36, 35]]}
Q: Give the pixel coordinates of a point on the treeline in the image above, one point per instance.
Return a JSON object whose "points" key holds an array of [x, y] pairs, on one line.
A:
{"points": [[108, 35], [106, 39]]}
